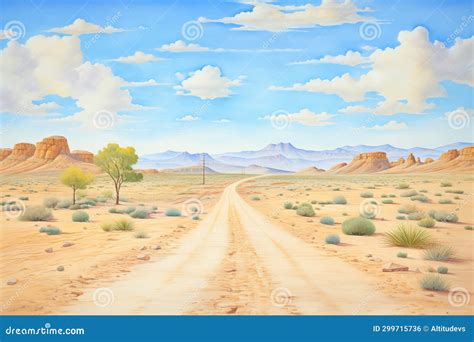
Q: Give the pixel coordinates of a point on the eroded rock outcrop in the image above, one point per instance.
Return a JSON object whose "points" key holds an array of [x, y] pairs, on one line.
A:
{"points": [[400, 161], [22, 151], [450, 155], [84, 156], [366, 163], [5, 152], [51, 147], [429, 160]]}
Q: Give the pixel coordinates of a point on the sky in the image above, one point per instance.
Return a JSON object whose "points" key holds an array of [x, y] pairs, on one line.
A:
{"points": [[219, 76]]}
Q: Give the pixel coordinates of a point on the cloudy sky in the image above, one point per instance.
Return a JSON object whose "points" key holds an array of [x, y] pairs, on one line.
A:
{"points": [[229, 75]]}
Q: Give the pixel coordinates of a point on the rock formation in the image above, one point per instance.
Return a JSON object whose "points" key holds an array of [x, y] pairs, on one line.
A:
{"points": [[400, 161], [410, 160], [366, 163], [5, 152], [429, 160], [22, 151], [450, 155], [85, 156], [310, 171], [49, 148]]}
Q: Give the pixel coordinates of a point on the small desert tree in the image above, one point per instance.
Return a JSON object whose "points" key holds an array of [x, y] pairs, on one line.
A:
{"points": [[117, 162], [76, 179]]}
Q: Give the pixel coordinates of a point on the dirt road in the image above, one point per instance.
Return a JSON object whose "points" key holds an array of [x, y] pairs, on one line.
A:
{"points": [[237, 262]]}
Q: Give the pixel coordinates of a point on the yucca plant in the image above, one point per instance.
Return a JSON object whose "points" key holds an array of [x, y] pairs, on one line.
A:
{"points": [[408, 236]]}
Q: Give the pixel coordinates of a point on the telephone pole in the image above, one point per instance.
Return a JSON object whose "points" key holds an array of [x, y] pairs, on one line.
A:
{"points": [[203, 168]]}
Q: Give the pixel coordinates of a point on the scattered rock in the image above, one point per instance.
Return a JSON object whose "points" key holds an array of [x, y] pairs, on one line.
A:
{"points": [[368, 255], [392, 267], [68, 244], [232, 310], [12, 281], [49, 250], [157, 247], [142, 248], [143, 257], [60, 268]]}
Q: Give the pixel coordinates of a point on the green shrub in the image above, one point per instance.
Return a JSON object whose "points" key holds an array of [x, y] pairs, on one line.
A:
{"points": [[24, 198], [129, 210], [141, 235], [416, 216], [358, 226], [442, 216], [256, 198], [408, 193], [401, 217], [420, 198], [140, 214], [113, 211], [339, 200], [408, 236], [88, 201], [326, 220], [434, 283], [387, 201], [468, 227], [313, 202], [80, 216], [172, 212], [438, 194], [36, 213], [366, 195], [392, 196], [295, 207], [442, 270], [445, 184], [458, 192], [123, 225], [75, 207], [402, 255], [438, 253], [107, 226], [332, 239], [64, 204], [427, 222], [50, 202], [407, 209], [445, 201], [305, 209], [403, 186], [50, 230]]}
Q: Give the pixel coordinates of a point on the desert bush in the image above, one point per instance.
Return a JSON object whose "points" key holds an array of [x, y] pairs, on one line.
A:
{"points": [[141, 235], [305, 209], [123, 225], [445, 201], [445, 184], [392, 196], [407, 209], [81, 193], [442, 216], [442, 270], [140, 214], [438, 253], [75, 207], [24, 198], [101, 199], [332, 239], [128, 210], [438, 194], [64, 204], [326, 220], [457, 192], [408, 236], [384, 196], [36, 213], [403, 186], [409, 193], [468, 227], [416, 216], [172, 212], [88, 201], [113, 211], [288, 205], [387, 201], [80, 216], [107, 194], [434, 283], [339, 200], [50, 230], [107, 226], [402, 255], [424, 191], [50, 202], [401, 217], [426, 222], [366, 194], [420, 198], [358, 226], [314, 202], [256, 198]]}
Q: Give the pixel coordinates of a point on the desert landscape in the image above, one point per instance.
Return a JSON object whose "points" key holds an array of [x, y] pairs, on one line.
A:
{"points": [[368, 236]]}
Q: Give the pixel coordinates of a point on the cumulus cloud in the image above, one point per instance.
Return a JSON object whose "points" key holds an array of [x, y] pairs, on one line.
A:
{"points": [[391, 125], [80, 26], [351, 58], [188, 118], [305, 117], [180, 46], [406, 76], [277, 18], [222, 121], [138, 57], [207, 84], [54, 66]]}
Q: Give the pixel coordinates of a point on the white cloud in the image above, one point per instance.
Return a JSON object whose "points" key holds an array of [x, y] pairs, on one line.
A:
{"points": [[80, 26], [405, 76], [207, 83], [276, 18], [222, 121], [188, 118], [180, 76], [138, 57], [305, 117], [180, 46], [54, 66], [391, 125], [350, 58], [149, 83]]}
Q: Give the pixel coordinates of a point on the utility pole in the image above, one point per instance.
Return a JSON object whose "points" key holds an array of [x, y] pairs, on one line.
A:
{"points": [[203, 168]]}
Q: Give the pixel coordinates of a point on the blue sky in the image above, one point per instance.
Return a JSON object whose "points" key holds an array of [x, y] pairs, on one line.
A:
{"points": [[217, 76]]}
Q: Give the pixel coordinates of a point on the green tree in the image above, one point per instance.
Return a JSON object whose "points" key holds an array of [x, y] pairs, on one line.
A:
{"points": [[117, 162], [76, 179]]}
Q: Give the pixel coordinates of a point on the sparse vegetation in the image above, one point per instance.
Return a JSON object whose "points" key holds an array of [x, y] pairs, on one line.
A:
{"points": [[305, 209], [420, 198], [445, 184], [401, 217], [50, 230], [123, 225], [403, 186], [427, 222], [402, 255], [439, 253], [64, 204], [442, 216], [256, 198], [173, 212], [36, 213], [326, 220], [141, 235], [140, 214], [80, 216], [442, 270], [409, 193], [50, 202], [76, 179], [434, 282], [407, 209], [468, 227], [408, 236], [387, 201], [333, 239], [288, 205], [339, 200], [366, 194], [358, 226], [445, 201]]}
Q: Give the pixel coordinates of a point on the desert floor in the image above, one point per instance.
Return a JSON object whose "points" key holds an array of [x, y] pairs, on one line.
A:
{"points": [[245, 255]]}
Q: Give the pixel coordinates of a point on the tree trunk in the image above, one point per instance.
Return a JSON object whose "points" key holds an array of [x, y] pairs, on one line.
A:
{"points": [[73, 195], [117, 194]]}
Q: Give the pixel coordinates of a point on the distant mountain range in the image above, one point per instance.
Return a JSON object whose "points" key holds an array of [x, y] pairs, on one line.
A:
{"points": [[282, 157]]}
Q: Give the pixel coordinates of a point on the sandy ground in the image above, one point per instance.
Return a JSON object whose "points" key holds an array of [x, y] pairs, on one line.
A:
{"points": [[245, 255]]}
